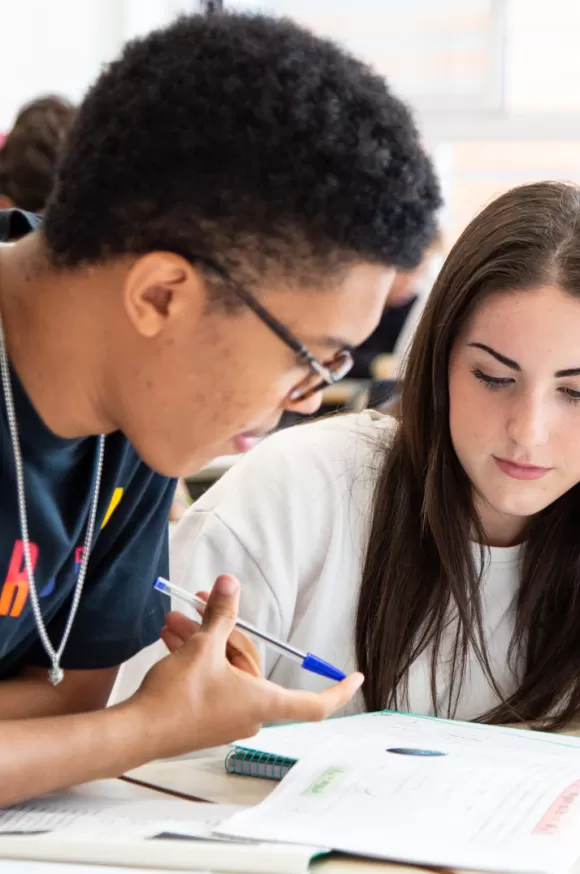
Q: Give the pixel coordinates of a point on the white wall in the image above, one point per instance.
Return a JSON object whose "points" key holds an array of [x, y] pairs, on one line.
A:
{"points": [[60, 45], [543, 73]]}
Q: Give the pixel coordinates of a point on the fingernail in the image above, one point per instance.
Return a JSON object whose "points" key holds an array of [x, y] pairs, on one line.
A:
{"points": [[226, 586]]}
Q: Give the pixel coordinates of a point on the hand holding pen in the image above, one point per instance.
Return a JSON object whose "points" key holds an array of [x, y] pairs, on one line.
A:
{"points": [[196, 698], [307, 660], [241, 651]]}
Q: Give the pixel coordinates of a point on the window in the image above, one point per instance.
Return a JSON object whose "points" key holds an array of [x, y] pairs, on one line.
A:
{"points": [[441, 55]]}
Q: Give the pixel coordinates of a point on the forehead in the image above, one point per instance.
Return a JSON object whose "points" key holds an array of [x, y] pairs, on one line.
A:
{"points": [[530, 326]]}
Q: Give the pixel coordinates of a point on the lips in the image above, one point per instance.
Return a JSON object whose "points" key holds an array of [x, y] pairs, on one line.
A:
{"points": [[248, 439], [521, 471], [244, 442]]}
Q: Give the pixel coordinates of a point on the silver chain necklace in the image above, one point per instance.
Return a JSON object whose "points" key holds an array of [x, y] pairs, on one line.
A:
{"points": [[56, 673]]}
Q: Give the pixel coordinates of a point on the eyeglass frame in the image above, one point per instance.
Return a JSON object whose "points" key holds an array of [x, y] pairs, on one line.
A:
{"points": [[327, 376]]}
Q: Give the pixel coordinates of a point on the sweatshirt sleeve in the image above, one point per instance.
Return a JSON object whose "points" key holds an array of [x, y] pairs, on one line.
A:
{"points": [[270, 522]]}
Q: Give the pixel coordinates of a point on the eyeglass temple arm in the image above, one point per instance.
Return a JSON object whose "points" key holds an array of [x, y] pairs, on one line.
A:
{"points": [[282, 331], [277, 327]]}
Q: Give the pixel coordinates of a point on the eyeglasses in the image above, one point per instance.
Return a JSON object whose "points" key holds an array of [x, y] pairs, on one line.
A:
{"points": [[321, 374]]}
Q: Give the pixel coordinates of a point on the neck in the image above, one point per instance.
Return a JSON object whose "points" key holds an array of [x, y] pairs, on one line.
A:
{"points": [[500, 529], [51, 325]]}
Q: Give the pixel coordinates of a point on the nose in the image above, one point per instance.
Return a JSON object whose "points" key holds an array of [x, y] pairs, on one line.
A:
{"points": [[305, 407], [528, 421]]}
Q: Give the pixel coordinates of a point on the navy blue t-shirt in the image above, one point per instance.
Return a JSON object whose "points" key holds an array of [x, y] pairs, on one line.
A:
{"points": [[119, 612]]}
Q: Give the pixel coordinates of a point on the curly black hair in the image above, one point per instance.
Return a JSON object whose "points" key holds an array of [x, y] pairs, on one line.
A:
{"points": [[248, 141]]}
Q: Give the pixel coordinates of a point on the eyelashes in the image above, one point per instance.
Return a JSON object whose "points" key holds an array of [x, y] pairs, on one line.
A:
{"points": [[572, 396], [492, 382], [496, 383]]}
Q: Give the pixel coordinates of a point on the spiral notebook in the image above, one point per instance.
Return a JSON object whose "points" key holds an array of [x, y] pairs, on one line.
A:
{"points": [[252, 763], [274, 751]]}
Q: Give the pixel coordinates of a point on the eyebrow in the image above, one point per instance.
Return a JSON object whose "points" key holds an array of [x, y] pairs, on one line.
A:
{"points": [[513, 365]]}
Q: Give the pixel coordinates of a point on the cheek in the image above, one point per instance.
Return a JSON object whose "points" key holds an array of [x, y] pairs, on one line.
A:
{"points": [[564, 447], [473, 411], [226, 405], [255, 370]]}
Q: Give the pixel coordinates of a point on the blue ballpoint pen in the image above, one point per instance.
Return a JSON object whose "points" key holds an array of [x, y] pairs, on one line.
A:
{"points": [[307, 660]]}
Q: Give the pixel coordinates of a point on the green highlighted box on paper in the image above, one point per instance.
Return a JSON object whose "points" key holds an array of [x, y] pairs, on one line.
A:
{"points": [[325, 782]]}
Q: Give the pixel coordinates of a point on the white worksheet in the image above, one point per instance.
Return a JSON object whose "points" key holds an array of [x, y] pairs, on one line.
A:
{"points": [[376, 731], [93, 826], [408, 804], [112, 818]]}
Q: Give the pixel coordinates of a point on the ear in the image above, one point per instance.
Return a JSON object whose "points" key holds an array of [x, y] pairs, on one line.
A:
{"points": [[5, 202], [161, 288]]}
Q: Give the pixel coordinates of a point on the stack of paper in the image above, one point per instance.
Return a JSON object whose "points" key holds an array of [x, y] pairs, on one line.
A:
{"points": [[424, 791], [160, 834], [388, 786]]}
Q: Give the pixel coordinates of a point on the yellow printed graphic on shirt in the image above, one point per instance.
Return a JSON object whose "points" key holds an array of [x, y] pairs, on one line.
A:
{"points": [[15, 590], [115, 501]]}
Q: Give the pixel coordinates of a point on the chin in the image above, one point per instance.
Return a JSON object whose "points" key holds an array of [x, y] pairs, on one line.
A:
{"points": [[519, 505], [175, 467]]}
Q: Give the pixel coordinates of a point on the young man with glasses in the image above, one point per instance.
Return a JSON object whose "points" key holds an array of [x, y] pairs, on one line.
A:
{"points": [[234, 197]]}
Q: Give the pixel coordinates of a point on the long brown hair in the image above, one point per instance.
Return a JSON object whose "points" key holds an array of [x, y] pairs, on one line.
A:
{"points": [[420, 571]]}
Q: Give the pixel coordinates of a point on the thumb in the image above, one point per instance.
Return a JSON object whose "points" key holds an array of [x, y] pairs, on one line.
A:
{"points": [[222, 608]]}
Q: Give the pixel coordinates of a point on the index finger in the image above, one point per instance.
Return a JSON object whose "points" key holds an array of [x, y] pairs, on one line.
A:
{"points": [[302, 706]]}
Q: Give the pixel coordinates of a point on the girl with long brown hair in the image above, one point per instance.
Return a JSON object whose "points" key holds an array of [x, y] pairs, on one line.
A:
{"points": [[439, 553]]}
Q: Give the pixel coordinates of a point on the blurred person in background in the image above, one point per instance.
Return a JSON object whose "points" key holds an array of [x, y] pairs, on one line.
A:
{"points": [[409, 292], [380, 358], [30, 152]]}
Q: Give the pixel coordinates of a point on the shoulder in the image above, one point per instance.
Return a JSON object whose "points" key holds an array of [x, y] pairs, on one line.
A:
{"points": [[350, 432], [16, 223], [128, 481], [335, 452], [333, 455], [290, 515]]}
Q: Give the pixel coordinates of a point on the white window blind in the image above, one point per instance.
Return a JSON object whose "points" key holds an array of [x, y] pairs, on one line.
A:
{"points": [[437, 54]]}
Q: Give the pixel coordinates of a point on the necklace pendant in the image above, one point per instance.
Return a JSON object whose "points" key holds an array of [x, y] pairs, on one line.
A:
{"points": [[56, 675]]}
